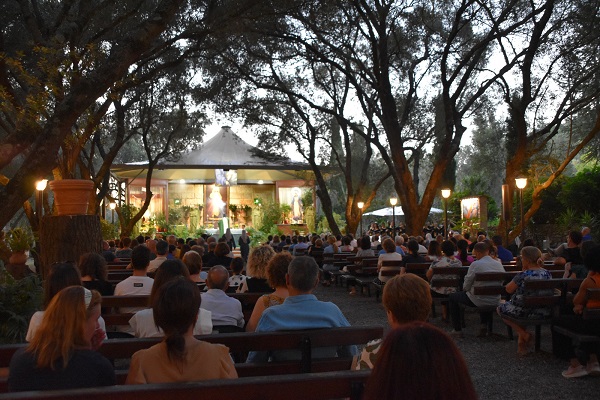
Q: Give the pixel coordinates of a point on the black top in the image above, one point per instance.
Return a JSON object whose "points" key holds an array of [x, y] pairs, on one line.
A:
{"points": [[573, 255], [258, 285], [109, 256], [85, 369], [412, 259], [105, 288], [224, 261]]}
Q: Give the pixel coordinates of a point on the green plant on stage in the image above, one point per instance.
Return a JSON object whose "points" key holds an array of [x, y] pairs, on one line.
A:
{"points": [[161, 222], [285, 210], [200, 231], [19, 299], [181, 231], [307, 199], [247, 210]]}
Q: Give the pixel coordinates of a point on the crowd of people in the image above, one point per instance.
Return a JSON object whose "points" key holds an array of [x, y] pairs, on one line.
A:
{"points": [[64, 335]]}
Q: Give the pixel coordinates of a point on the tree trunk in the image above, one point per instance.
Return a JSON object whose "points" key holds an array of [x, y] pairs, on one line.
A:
{"points": [[67, 237]]}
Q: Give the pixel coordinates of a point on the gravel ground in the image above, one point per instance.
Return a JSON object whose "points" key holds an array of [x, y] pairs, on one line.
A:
{"points": [[496, 370]]}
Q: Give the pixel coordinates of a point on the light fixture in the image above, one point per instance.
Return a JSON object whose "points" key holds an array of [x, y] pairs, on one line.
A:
{"points": [[521, 183], [260, 181], [41, 185], [446, 194], [182, 181], [360, 206], [393, 202], [112, 205]]}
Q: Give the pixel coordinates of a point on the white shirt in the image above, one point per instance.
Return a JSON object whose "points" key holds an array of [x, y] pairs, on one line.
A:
{"points": [[36, 320], [133, 286], [154, 264], [143, 324], [225, 309]]}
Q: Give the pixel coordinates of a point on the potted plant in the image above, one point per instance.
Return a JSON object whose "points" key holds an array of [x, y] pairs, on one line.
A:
{"points": [[19, 240], [72, 196]]}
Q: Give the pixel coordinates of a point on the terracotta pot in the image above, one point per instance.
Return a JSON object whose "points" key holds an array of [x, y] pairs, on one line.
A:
{"points": [[18, 257], [72, 196]]}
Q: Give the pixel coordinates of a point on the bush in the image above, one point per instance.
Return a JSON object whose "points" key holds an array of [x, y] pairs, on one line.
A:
{"points": [[19, 299]]}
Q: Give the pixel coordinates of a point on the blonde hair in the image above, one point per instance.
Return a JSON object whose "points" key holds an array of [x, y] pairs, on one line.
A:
{"points": [[258, 260], [331, 240], [63, 327]]}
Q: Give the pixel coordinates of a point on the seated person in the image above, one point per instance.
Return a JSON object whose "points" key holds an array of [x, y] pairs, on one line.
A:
{"points": [[484, 263], [94, 273], [419, 361], [180, 357], [226, 310], [162, 248], [237, 277], [406, 298], [60, 355], [256, 268], [584, 353], [193, 261], [142, 323], [390, 255], [301, 310], [413, 256], [504, 255], [221, 256], [532, 269], [276, 271], [569, 252]]}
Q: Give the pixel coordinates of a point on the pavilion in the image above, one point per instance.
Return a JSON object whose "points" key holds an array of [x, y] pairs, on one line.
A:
{"points": [[224, 177]]}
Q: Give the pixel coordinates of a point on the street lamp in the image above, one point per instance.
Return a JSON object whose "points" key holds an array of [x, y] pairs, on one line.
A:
{"points": [[521, 183], [446, 194], [39, 202], [112, 205], [393, 202], [360, 206]]}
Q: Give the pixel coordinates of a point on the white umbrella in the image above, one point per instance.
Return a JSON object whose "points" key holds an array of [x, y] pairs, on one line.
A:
{"points": [[387, 211]]}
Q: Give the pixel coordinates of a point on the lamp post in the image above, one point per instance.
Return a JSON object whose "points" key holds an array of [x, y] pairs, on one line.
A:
{"points": [[446, 194], [360, 206], [521, 183], [112, 205], [39, 202], [393, 202]]}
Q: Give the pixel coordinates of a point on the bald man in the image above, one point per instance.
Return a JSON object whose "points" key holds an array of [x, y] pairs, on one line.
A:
{"points": [[226, 311]]}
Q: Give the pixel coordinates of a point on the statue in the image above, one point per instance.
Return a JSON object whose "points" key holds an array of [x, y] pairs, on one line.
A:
{"points": [[296, 205]]}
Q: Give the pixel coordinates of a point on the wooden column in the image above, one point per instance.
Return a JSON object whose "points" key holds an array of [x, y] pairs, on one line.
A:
{"points": [[67, 237]]}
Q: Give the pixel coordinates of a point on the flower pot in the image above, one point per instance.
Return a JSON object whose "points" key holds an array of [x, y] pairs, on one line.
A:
{"points": [[72, 196], [18, 257]]}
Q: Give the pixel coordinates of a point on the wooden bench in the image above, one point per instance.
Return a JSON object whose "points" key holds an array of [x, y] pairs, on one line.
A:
{"points": [[111, 304], [367, 278], [316, 386], [240, 343], [419, 269], [452, 277], [357, 267], [589, 314]]}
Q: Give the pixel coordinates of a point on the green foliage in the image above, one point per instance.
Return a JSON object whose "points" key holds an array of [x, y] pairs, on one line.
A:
{"points": [[161, 222], [19, 299], [323, 224], [20, 239], [128, 211], [307, 199], [175, 216], [257, 236], [568, 220], [181, 231], [200, 231], [109, 231], [271, 216], [582, 191]]}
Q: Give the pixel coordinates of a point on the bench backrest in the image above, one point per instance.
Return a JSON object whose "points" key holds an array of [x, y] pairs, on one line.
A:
{"points": [[321, 386]]}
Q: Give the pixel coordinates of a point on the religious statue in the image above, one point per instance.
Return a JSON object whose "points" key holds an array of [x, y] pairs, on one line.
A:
{"points": [[296, 207]]}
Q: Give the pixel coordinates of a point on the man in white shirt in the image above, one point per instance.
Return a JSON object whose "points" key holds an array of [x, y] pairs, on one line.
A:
{"points": [[226, 311], [162, 248], [138, 283], [484, 263]]}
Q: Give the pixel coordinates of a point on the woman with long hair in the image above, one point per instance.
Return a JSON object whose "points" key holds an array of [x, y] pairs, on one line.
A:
{"points": [[256, 270], [60, 355], [244, 242], [180, 357], [276, 272], [143, 323], [419, 361]]}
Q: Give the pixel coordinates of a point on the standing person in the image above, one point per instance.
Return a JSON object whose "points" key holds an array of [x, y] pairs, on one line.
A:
{"points": [[60, 354], [484, 263], [532, 269], [230, 239], [419, 361], [180, 357], [301, 310], [244, 242]]}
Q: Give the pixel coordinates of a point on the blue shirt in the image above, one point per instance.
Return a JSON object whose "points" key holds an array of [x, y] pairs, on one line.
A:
{"points": [[297, 313], [504, 255], [398, 250]]}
